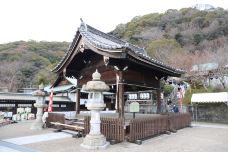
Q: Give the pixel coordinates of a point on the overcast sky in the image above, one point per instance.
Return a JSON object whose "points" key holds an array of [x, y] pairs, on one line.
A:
{"points": [[58, 20]]}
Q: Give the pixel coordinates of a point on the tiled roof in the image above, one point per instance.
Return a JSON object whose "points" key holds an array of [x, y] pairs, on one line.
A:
{"points": [[62, 88], [105, 41], [29, 97]]}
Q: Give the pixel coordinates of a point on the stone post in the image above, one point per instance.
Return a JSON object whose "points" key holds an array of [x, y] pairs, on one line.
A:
{"points": [[95, 140], [40, 105]]}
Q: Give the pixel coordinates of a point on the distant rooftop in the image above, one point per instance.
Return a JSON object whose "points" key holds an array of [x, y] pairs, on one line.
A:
{"points": [[203, 7], [204, 67]]}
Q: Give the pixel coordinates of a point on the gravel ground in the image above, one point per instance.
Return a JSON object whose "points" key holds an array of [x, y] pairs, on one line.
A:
{"points": [[20, 129], [196, 139], [200, 138]]}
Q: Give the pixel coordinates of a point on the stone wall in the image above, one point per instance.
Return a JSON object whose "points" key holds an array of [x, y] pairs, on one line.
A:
{"points": [[211, 112]]}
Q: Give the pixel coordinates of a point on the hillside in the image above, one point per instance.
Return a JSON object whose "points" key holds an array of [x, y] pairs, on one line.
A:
{"points": [[26, 64], [180, 37]]}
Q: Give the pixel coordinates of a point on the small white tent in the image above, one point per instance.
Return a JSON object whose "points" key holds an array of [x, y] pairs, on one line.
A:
{"points": [[220, 97]]}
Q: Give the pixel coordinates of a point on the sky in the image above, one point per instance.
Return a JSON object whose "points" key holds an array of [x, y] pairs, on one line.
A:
{"points": [[58, 20]]}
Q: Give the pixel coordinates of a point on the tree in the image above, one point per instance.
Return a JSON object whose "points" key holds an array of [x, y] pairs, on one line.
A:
{"points": [[163, 49], [221, 57], [179, 39], [198, 38], [10, 75]]}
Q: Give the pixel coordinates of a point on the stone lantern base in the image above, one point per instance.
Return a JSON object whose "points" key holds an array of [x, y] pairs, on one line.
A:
{"points": [[94, 142], [38, 124]]}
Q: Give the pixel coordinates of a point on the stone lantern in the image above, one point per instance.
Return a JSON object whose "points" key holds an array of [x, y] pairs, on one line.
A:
{"points": [[95, 140], [40, 105]]}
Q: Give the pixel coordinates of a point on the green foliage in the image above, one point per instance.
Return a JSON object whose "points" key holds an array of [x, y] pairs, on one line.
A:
{"points": [[179, 38], [198, 21], [45, 77], [9, 46], [33, 59], [198, 38], [167, 89], [136, 25], [163, 44], [197, 84], [189, 27], [27, 72], [9, 56], [188, 94], [41, 79]]}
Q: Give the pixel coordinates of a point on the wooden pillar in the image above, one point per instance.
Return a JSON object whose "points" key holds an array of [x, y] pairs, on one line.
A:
{"points": [[120, 95], [158, 101], [16, 106], [77, 104], [117, 93]]}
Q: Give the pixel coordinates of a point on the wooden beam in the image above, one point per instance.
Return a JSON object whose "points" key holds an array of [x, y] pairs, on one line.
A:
{"points": [[74, 127], [77, 96]]}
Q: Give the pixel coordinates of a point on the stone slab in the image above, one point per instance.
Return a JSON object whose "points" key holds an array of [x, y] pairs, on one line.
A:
{"points": [[37, 138]]}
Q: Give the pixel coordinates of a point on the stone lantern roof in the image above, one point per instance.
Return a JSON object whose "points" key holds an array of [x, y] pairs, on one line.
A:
{"points": [[40, 91], [96, 84]]}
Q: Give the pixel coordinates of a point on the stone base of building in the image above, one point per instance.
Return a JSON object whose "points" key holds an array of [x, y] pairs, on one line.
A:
{"points": [[94, 142]]}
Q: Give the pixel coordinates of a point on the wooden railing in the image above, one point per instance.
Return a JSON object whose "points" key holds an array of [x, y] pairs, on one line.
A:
{"points": [[140, 128], [148, 127], [179, 120], [112, 128], [55, 117]]}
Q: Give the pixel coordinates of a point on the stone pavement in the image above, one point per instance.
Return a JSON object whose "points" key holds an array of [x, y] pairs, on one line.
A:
{"points": [[9, 147], [209, 125], [20, 129], [202, 137], [37, 138], [14, 135]]}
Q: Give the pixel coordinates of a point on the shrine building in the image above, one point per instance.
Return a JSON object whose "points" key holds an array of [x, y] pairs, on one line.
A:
{"points": [[123, 66]]}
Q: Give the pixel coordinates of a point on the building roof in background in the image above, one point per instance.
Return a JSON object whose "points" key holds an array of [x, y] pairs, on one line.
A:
{"points": [[59, 89], [73, 81], [220, 97], [29, 97], [205, 67]]}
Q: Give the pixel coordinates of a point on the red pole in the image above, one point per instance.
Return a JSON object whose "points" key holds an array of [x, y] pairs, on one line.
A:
{"points": [[50, 101]]}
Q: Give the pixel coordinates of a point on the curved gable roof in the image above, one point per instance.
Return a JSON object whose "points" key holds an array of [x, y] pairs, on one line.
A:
{"points": [[109, 43]]}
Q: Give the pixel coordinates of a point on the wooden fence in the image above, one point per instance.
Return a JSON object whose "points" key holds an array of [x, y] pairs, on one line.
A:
{"points": [[148, 127], [140, 128], [179, 120], [112, 128]]}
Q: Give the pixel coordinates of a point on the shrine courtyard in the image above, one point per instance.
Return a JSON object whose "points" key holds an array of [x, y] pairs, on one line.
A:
{"points": [[202, 137]]}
